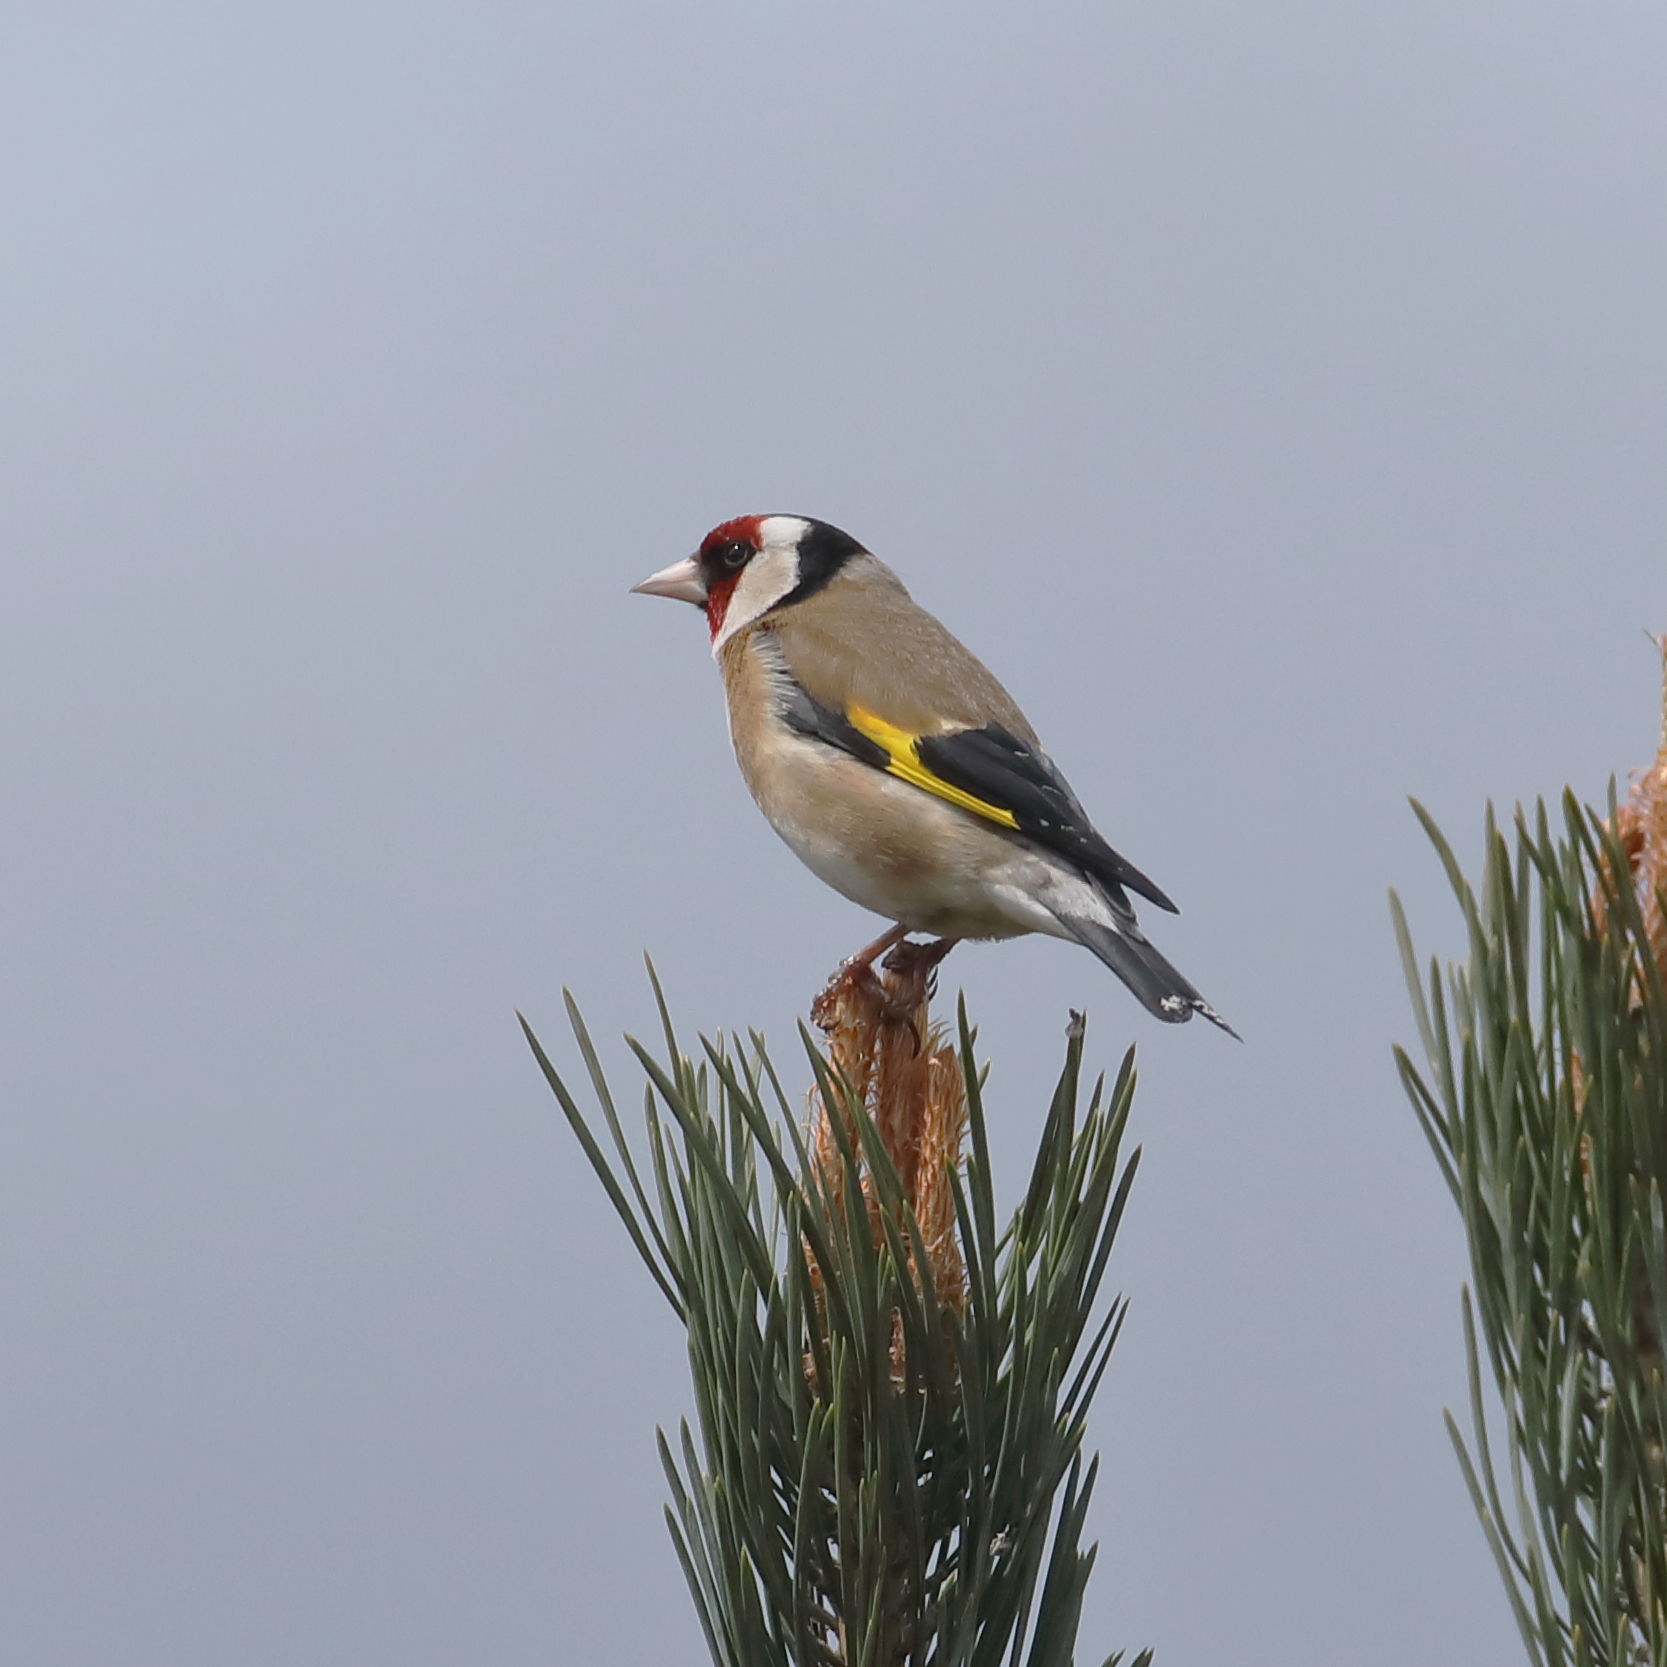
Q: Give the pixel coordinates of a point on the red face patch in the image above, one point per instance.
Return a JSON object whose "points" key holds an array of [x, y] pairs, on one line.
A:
{"points": [[718, 594], [723, 557]]}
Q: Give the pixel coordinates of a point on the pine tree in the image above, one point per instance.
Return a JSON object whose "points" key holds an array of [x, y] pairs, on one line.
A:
{"points": [[890, 1391], [1545, 1103]]}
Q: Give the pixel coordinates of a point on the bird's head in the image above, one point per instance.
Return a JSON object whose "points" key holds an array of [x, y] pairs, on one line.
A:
{"points": [[751, 565]]}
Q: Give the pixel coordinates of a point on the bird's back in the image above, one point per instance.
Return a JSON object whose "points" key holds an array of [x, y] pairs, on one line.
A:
{"points": [[925, 682]]}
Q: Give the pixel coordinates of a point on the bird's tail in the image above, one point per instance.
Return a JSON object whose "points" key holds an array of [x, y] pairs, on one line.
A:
{"points": [[1160, 988]]}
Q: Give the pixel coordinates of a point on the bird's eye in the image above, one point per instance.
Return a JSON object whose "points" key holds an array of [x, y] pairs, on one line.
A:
{"points": [[735, 555]]}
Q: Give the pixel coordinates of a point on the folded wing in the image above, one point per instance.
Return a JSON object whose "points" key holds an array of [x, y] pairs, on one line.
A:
{"points": [[988, 772]]}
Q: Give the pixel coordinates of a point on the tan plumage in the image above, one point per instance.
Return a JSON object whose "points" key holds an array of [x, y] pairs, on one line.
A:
{"points": [[895, 765], [878, 841], [924, 680]]}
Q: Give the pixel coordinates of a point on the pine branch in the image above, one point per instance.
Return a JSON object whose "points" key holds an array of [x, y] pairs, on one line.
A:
{"points": [[1544, 1100], [890, 1394]]}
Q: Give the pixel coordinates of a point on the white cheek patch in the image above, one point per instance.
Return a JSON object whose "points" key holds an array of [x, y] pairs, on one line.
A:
{"points": [[764, 581]]}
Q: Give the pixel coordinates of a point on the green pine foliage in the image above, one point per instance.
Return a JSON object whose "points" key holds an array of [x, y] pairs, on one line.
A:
{"points": [[878, 1479], [1544, 1098]]}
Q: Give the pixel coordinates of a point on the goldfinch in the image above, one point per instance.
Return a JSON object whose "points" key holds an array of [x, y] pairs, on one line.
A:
{"points": [[895, 766]]}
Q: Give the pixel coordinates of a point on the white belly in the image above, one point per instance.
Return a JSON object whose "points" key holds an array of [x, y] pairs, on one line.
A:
{"points": [[895, 849], [942, 905]]}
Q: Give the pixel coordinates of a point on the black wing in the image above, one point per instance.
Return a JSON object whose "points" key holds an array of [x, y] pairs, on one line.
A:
{"points": [[995, 765]]}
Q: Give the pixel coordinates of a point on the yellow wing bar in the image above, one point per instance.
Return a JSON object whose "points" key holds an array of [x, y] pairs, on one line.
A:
{"points": [[903, 760]]}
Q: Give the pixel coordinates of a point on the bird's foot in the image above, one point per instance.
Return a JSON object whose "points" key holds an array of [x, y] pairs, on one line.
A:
{"points": [[912, 960], [865, 958], [899, 993], [911, 979], [855, 972]]}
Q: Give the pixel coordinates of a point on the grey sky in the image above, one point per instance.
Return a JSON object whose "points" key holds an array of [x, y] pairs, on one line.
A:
{"points": [[1273, 395]]}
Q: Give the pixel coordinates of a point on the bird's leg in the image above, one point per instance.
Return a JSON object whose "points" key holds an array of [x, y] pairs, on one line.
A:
{"points": [[911, 970], [855, 970], [867, 957]]}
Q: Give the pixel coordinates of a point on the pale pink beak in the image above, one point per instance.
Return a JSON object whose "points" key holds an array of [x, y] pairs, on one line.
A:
{"points": [[681, 582]]}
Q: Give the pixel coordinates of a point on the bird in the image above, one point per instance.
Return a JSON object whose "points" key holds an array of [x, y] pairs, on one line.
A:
{"points": [[893, 763]]}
